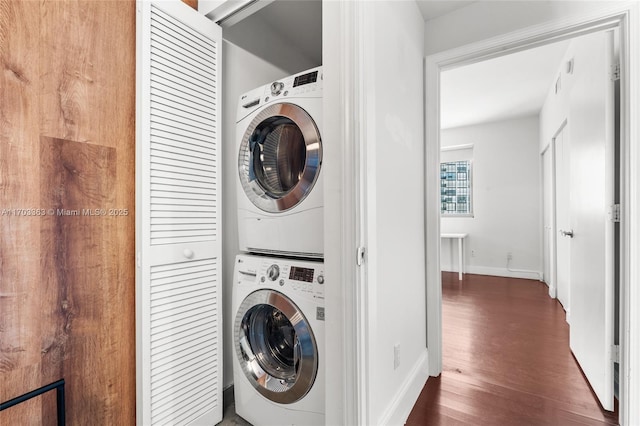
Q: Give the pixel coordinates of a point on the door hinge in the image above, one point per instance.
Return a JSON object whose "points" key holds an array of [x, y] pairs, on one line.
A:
{"points": [[360, 256], [138, 260], [615, 353], [615, 72], [615, 213]]}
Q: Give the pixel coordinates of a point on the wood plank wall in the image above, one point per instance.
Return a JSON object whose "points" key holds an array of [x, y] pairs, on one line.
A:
{"points": [[67, 143], [192, 3]]}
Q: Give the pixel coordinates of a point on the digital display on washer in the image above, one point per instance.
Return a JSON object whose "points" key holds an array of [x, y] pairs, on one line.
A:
{"points": [[312, 77], [301, 274]]}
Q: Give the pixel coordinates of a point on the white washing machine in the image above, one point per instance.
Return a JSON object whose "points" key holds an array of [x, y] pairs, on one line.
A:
{"points": [[278, 331], [280, 200]]}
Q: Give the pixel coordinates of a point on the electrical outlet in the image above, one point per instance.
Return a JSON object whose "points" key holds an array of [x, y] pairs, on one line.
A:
{"points": [[509, 256], [396, 356]]}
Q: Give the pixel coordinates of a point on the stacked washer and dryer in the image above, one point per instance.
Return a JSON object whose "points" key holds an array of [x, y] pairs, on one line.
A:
{"points": [[278, 288]]}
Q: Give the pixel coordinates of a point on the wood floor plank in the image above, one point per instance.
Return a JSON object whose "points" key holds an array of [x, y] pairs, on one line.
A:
{"points": [[506, 360]]}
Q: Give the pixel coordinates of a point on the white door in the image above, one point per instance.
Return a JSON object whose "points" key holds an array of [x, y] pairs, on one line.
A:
{"points": [[591, 120], [178, 243], [563, 222], [548, 239]]}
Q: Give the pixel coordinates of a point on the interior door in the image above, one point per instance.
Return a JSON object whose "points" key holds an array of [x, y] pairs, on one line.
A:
{"points": [[563, 219], [178, 242], [592, 197]]}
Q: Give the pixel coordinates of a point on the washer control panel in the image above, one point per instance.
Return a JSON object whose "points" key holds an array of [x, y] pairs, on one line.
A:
{"points": [[305, 277], [273, 272]]}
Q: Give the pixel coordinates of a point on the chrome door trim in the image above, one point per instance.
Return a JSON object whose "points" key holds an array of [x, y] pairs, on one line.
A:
{"points": [[313, 143], [283, 391]]}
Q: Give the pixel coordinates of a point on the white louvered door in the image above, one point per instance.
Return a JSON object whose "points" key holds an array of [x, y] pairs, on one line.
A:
{"points": [[178, 301]]}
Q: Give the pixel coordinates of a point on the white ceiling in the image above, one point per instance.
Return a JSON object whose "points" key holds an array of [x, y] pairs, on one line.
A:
{"points": [[509, 86], [432, 9]]}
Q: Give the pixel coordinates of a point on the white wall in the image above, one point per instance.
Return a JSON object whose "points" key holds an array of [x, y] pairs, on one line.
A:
{"points": [[241, 71], [555, 109], [484, 19], [394, 79], [506, 200], [259, 38], [553, 114]]}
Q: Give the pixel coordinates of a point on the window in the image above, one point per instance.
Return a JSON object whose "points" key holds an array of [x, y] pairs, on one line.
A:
{"points": [[455, 188]]}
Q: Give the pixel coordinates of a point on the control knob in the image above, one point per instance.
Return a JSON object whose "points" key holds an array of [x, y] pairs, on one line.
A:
{"points": [[276, 88], [273, 272], [320, 279]]}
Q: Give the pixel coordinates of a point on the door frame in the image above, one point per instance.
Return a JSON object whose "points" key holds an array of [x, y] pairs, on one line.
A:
{"points": [[626, 17], [550, 149], [554, 220], [551, 281]]}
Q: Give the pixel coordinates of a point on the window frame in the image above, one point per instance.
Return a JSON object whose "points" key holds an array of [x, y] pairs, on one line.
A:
{"points": [[469, 213]]}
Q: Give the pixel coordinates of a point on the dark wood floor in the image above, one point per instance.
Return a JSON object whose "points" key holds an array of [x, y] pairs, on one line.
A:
{"points": [[506, 360]]}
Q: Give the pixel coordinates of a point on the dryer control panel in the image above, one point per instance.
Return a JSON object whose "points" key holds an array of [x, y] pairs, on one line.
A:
{"points": [[306, 84]]}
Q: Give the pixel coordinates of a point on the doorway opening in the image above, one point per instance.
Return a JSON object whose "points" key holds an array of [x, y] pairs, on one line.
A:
{"points": [[613, 240]]}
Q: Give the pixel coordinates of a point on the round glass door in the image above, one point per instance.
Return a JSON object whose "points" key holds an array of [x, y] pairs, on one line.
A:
{"points": [[275, 346], [280, 156]]}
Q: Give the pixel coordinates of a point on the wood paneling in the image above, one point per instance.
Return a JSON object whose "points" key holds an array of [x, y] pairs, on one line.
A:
{"points": [[79, 266], [20, 299], [192, 3], [506, 359], [67, 142]]}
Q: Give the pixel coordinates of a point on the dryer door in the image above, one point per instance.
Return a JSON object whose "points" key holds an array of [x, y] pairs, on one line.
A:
{"points": [[275, 346], [280, 156]]}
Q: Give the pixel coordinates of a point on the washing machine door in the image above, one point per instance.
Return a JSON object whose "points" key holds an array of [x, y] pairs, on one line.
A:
{"points": [[275, 346], [279, 158]]}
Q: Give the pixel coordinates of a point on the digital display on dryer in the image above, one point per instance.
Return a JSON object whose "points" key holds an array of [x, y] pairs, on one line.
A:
{"points": [[312, 77], [301, 274]]}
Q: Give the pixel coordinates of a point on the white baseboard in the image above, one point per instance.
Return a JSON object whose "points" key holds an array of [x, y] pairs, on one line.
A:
{"points": [[499, 272], [400, 407]]}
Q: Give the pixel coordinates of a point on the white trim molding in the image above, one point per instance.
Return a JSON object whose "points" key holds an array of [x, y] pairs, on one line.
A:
{"points": [[625, 16], [432, 216], [499, 272], [229, 12], [630, 276], [456, 147], [398, 411], [346, 403]]}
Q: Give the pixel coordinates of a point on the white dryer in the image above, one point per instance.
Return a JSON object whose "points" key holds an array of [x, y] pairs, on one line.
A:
{"points": [[280, 200], [278, 367]]}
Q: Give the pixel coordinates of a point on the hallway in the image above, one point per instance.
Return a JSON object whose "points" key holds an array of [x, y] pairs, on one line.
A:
{"points": [[506, 359]]}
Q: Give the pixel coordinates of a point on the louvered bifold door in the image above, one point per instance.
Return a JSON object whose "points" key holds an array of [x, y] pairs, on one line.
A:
{"points": [[179, 364]]}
